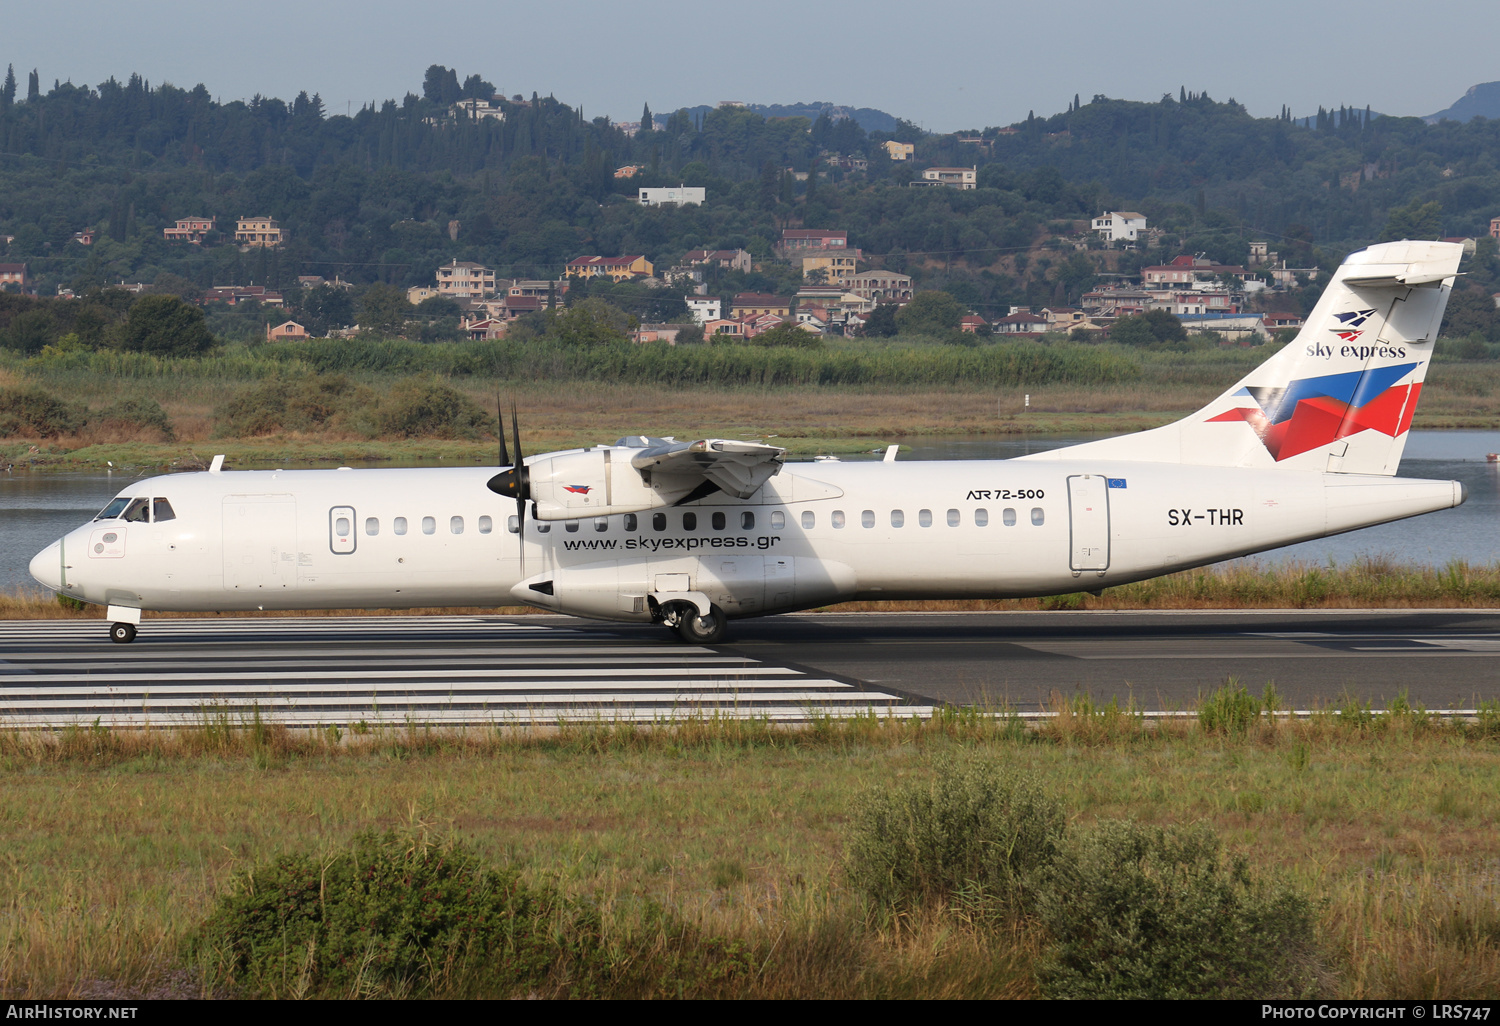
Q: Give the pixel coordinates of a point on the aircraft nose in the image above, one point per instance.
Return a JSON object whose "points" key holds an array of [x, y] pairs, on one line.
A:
{"points": [[46, 566]]}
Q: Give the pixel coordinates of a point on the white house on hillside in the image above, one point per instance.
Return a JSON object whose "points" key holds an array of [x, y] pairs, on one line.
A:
{"points": [[682, 196], [704, 308], [1120, 225]]}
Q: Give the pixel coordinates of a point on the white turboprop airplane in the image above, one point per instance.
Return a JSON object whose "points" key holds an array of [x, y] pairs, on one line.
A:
{"points": [[693, 534]]}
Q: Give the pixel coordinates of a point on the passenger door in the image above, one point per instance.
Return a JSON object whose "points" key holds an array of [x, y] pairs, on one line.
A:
{"points": [[1088, 522]]}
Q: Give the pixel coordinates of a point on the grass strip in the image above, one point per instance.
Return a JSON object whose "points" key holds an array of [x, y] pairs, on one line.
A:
{"points": [[711, 852]]}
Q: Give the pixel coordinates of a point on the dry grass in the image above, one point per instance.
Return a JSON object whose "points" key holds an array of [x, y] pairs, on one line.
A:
{"points": [[808, 419], [121, 841], [1374, 582]]}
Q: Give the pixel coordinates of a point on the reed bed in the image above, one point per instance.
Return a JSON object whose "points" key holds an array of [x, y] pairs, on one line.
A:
{"points": [[865, 395], [724, 365]]}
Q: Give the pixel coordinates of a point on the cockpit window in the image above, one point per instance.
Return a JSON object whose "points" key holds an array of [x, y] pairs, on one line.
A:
{"points": [[138, 512], [113, 509], [161, 510]]}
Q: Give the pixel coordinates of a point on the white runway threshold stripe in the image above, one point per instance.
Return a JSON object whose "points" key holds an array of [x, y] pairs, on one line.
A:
{"points": [[440, 670]]}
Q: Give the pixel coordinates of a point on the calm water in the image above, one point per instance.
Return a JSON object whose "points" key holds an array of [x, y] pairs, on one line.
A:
{"points": [[37, 508]]}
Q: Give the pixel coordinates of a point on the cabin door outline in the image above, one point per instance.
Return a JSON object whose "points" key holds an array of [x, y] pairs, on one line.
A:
{"points": [[1088, 522]]}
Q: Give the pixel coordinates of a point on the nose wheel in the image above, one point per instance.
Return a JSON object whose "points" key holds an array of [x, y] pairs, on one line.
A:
{"points": [[122, 633], [700, 630]]}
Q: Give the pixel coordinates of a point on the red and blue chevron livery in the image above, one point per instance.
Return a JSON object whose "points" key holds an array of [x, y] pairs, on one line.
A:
{"points": [[1309, 413]]}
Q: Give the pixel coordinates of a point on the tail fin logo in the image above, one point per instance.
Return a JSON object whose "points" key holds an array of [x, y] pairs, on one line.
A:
{"points": [[1309, 413], [1351, 324], [578, 489]]}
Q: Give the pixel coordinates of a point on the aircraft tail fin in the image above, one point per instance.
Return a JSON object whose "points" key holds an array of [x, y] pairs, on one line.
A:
{"points": [[1338, 398]]}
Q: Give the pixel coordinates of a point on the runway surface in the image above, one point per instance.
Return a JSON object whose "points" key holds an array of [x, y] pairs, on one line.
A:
{"points": [[1443, 659], [542, 669], [446, 670]]}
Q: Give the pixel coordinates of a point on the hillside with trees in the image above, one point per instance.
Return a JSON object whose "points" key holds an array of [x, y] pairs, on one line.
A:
{"points": [[386, 193]]}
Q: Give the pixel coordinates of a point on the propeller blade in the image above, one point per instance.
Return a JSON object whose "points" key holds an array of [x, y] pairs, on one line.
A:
{"points": [[500, 423], [521, 533], [523, 485]]}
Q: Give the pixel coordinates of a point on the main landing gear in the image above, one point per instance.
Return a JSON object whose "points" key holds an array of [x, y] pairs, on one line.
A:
{"points": [[684, 621], [122, 633]]}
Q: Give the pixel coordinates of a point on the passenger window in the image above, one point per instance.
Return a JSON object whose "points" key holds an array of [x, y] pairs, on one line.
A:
{"points": [[1038, 518], [690, 521], [571, 527], [486, 525], [837, 519], [601, 524], [513, 524], [161, 510], [924, 517], [719, 521], [138, 512], [658, 521], [778, 520], [456, 525], [341, 527], [1008, 517], [954, 519], [747, 521], [981, 517], [809, 519], [898, 518], [429, 525], [372, 526], [631, 522], [867, 518], [542, 527], [398, 526]]}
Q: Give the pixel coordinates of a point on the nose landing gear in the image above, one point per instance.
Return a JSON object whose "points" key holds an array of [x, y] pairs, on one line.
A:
{"points": [[122, 633]]}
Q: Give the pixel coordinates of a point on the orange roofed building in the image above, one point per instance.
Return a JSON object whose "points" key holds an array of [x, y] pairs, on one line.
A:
{"points": [[290, 331], [189, 229], [615, 268]]}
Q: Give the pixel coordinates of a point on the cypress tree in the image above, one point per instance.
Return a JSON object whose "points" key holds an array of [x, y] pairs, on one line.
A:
{"points": [[8, 91], [33, 87], [647, 123]]}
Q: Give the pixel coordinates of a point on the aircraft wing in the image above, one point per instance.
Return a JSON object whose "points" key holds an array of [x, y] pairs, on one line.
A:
{"points": [[739, 468]]}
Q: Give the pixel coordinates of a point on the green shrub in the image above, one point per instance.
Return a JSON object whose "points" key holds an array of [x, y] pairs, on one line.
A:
{"points": [[391, 914], [1229, 710], [1141, 912], [973, 826], [136, 414], [33, 413], [314, 403], [427, 408]]}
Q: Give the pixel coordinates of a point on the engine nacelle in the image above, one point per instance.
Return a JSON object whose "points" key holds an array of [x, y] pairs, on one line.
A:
{"points": [[599, 482]]}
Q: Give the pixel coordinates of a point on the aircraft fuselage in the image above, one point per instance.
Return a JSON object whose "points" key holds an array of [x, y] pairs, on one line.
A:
{"points": [[815, 533]]}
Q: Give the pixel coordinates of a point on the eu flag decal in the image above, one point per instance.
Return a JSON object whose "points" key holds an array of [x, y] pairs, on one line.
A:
{"points": [[1116, 482]]}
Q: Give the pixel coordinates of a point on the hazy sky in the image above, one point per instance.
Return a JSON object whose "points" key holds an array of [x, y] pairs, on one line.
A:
{"points": [[946, 64]]}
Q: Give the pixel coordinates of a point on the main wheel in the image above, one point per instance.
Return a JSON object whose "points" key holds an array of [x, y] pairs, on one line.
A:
{"points": [[122, 633], [703, 630]]}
